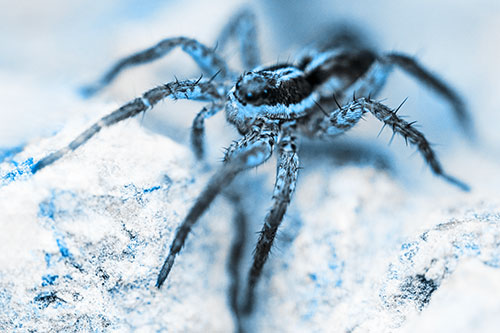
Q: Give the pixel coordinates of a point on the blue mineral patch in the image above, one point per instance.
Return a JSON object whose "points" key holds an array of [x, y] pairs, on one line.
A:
{"points": [[149, 190], [470, 245], [63, 249], [46, 208], [48, 256], [49, 279], [410, 250], [405, 246], [58, 203], [474, 247], [494, 262], [48, 211], [333, 266], [20, 169], [137, 193]]}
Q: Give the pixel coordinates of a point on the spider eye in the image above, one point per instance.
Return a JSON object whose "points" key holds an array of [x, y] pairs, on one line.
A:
{"points": [[265, 92], [250, 96]]}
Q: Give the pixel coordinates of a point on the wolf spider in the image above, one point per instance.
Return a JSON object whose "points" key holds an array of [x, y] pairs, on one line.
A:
{"points": [[273, 106]]}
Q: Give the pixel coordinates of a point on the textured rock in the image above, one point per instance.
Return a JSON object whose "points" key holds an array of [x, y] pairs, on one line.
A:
{"points": [[85, 237]]}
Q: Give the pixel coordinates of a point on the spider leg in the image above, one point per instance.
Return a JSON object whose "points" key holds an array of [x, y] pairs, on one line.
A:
{"points": [[250, 151], [333, 124], [328, 125], [412, 67], [411, 135], [240, 222], [243, 27], [189, 89], [205, 57], [198, 128], [286, 177]]}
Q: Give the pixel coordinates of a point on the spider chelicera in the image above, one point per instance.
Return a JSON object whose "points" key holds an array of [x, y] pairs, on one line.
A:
{"points": [[273, 106]]}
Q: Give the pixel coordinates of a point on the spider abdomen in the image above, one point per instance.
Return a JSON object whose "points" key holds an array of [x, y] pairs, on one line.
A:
{"points": [[335, 70]]}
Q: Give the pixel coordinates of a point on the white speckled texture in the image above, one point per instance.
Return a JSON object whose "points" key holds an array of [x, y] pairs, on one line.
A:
{"points": [[87, 236], [91, 231]]}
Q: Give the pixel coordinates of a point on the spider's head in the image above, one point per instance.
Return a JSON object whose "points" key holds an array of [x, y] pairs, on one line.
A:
{"points": [[276, 92], [250, 98], [255, 88]]}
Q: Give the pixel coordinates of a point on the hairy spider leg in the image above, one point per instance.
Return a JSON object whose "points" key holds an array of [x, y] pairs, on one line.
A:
{"points": [[238, 244], [250, 151], [409, 133], [370, 84], [286, 178], [209, 61], [243, 27], [198, 128], [189, 89], [339, 121], [412, 67], [319, 124]]}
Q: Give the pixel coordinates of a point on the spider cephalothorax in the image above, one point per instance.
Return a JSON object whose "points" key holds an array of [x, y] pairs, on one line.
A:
{"points": [[273, 106], [277, 92]]}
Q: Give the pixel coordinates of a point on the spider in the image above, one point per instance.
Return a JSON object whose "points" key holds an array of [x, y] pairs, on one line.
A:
{"points": [[272, 107]]}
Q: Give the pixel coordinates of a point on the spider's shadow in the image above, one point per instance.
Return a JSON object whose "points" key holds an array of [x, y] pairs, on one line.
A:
{"points": [[344, 152]]}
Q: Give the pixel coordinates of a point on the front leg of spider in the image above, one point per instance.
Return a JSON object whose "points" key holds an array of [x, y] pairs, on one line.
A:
{"points": [[209, 61], [286, 178], [198, 128], [410, 134], [242, 27], [189, 89], [250, 151]]}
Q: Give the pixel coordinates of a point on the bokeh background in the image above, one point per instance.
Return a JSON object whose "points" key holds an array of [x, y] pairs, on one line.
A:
{"points": [[48, 50]]}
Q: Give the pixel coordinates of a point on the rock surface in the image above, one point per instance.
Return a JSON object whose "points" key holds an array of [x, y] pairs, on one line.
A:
{"points": [[85, 237]]}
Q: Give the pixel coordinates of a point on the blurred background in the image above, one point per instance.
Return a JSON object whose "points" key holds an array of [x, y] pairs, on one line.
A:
{"points": [[50, 49]]}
